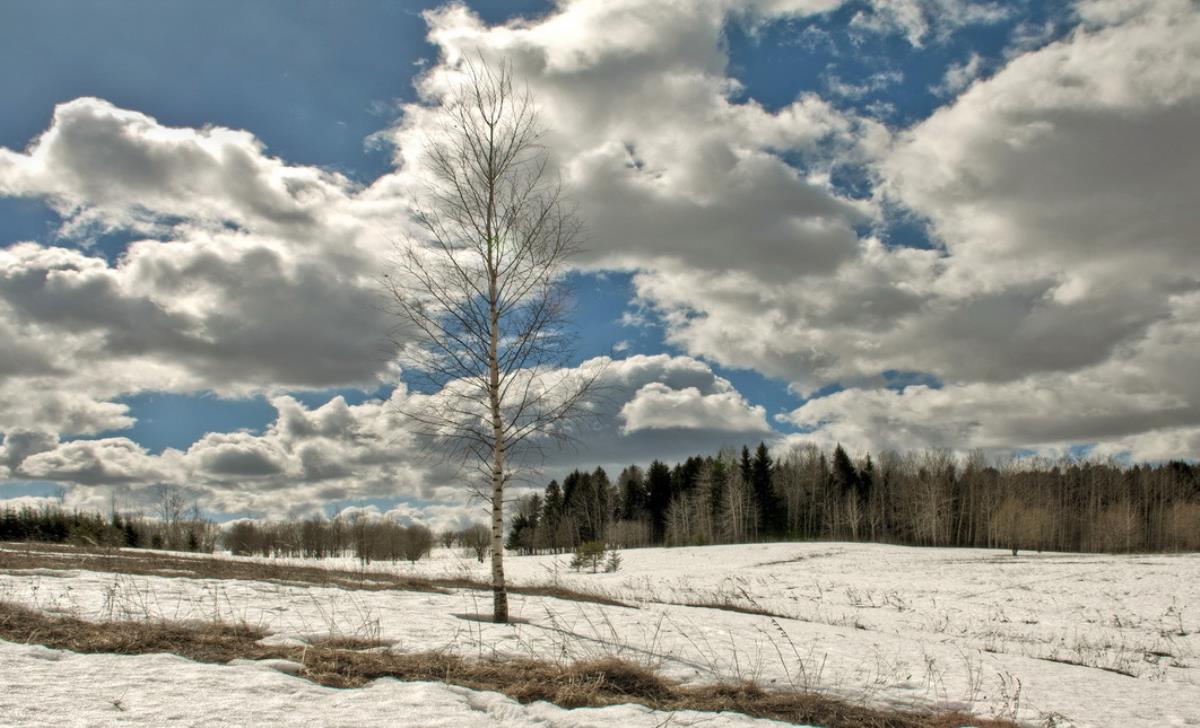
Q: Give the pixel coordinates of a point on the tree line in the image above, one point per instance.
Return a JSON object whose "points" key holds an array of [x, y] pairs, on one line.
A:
{"points": [[929, 498], [367, 539], [54, 524]]}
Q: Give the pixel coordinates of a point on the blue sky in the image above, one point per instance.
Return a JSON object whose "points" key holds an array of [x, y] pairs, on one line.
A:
{"points": [[325, 79], [877, 271]]}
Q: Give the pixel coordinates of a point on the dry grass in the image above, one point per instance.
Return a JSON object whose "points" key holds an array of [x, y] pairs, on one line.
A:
{"points": [[200, 641], [345, 664], [730, 606], [16, 557]]}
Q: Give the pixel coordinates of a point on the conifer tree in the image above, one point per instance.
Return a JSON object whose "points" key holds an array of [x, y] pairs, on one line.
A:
{"points": [[552, 515], [659, 485], [770, 510], [634, 498]]}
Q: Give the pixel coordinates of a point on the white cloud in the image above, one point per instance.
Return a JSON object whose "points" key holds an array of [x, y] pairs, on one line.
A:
{"points": [[665, 167], [871, 84], [958, 76], [657, 407], [260, 276], [107, 461], [20, 444], [917, 20], [122, 169], [237, 455]]}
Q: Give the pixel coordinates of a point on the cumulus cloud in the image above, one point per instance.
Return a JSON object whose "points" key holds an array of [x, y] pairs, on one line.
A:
{"points": [[120, 169], [1056, 305], [20, 444], [237, 455], [658, 407], [646, 406], [1065, 269], [255, 276], [665, 166], [106, 461]]}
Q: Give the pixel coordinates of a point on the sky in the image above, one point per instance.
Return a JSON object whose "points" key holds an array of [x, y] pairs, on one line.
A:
{"points": [[890, 224]]}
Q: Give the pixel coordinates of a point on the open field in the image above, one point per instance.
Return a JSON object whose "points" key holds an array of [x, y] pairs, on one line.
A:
{"points": [[1045, 639]]}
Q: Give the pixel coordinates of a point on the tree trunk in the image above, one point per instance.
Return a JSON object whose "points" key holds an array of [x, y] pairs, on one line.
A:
{"points": [[499, 593]]}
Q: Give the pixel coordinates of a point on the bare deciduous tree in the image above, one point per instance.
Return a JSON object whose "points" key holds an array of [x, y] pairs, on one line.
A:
{"points": [[477, 538], [482, 290]]}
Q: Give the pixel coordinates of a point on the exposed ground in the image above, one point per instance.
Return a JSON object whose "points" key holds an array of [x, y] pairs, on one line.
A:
{"points": [[1046, 639]]}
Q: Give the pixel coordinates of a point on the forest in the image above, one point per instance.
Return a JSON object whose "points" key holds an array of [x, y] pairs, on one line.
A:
{"points": [[927, 498]]}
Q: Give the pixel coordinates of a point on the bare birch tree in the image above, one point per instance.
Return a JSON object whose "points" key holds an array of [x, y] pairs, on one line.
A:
{"points": [[482, 290]]}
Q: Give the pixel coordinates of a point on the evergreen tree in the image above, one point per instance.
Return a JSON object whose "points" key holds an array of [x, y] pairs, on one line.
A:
{"points": [[518, 534], [718, 476], [866, 479], [845, 476], [747, 470], [602, 504], [132, 538], [634, 498], [552, 515], [571, 486], [770, 510], [659, 485]]}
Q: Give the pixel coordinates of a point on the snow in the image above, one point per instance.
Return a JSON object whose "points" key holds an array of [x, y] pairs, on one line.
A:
{"points": [[958, 628], [64, 689]]}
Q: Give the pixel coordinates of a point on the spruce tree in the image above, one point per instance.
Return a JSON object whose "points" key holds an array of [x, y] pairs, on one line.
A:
{"points": [[770, 510], [866, 479], [634, 498], [659, 485], [747, 471], [552, 514], [845, 476]]}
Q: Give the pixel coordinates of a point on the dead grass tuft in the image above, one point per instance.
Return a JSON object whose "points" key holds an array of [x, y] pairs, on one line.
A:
{"points": [[200, 641], [341, 663], [348, 642]]}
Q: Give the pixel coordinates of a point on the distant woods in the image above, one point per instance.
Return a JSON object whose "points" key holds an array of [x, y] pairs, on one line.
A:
{"points": [[928, 498], [368, 539], [365, 538], [53, 524]]}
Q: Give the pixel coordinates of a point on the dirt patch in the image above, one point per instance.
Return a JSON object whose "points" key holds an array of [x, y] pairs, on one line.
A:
{"points": [[27, 557], [345, 665]]}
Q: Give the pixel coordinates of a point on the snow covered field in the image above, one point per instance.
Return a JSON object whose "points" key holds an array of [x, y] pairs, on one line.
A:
{"points": [[1048, 639], [51, 687]]}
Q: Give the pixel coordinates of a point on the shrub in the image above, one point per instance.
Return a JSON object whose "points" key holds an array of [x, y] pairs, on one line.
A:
{"points": [[415, 542], [589, 553], [613, 563]]}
